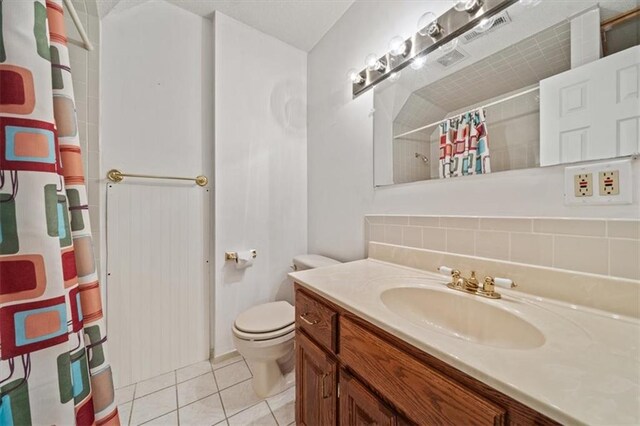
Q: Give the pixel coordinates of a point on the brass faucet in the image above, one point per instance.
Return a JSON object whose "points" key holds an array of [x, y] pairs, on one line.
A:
{"points": [[471, 285]]}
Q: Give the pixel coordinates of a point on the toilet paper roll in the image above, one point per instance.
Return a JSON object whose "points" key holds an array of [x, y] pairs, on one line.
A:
{"points": [[244, 259]]}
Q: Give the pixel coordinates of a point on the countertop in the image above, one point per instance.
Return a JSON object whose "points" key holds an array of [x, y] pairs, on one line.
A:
{"points": [[587, 371]]}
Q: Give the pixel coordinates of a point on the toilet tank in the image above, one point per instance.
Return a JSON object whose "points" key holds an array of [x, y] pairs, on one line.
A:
{"points": [[311, 261]]}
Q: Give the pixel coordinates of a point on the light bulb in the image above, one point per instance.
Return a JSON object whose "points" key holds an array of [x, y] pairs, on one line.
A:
{"points": [[397, 46], [418, 62], [467, 5], [373, 63], [394, 76], [485, 24], [354, 76], [449, 47], [460, 5], [425, 22], [530, 3]]}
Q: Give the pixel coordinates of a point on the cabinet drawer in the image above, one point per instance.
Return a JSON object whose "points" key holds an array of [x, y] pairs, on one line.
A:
{"points": [[317, 319], [421, 393]]}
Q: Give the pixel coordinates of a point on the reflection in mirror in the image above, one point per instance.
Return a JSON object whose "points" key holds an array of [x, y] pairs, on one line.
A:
{"points": [[489, 84]]}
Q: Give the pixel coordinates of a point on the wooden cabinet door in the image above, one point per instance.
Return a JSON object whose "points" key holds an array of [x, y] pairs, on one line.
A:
{"points": [[316, 384], [359, 407]]}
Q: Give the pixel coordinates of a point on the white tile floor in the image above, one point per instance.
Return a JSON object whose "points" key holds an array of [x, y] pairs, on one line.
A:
{"points": [[204, 394]]}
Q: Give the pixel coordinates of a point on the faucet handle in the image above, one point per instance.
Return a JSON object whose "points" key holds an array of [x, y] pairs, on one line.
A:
{"points": [[488, 286], [504, 282], [445, 270]]}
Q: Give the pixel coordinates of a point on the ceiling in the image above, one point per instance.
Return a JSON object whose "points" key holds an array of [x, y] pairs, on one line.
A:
{"points": [[300, 23]]}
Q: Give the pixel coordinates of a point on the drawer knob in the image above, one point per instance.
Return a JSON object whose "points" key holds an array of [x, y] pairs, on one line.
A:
{"points": [[303, 318]]}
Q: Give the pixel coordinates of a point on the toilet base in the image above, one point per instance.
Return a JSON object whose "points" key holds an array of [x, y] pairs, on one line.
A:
{"points": [[269, 362], [267, 379]]}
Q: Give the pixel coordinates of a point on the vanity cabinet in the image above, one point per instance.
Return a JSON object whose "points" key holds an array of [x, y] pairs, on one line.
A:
{"points": [[350, 372], [316, 384]]}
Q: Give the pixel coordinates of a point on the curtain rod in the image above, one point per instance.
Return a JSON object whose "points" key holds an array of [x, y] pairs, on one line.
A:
{"points": [[499, 101], [79, 26]]}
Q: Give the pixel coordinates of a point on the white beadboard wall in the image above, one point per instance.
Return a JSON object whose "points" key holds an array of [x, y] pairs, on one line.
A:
{"points": [[157, 279], [156, 118]]}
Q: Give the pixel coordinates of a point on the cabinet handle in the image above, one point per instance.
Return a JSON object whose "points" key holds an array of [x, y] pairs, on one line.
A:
{"points": [[302, 317], [324, 392]]}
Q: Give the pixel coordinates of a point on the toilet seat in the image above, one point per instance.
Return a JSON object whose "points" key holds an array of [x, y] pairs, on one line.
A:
{"points": [[265, 322], [270, 335]]}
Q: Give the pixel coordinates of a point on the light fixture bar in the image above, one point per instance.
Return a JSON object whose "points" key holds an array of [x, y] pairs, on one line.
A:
{"points": [[452, 24]]}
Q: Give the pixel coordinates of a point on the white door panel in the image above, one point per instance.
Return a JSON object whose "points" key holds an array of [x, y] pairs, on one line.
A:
{"points": [[591, 112]]}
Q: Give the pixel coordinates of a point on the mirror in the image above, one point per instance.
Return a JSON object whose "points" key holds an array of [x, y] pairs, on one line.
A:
{"points": [[529, 88]]}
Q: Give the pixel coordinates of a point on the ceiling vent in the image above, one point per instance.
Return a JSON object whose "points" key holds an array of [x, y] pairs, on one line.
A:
{"points": [[452, 57], [500, 20]]}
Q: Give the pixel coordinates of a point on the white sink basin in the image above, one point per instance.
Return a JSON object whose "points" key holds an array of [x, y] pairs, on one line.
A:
{"points": [[464, 316]]}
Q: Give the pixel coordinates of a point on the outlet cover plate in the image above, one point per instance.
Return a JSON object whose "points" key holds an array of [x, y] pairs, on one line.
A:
{"points": [[583, 185], [624, 179], [609, 182]]}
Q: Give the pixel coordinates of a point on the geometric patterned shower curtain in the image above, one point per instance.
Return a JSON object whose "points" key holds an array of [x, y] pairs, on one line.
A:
{"points": [[464, 145], [54, 366]]}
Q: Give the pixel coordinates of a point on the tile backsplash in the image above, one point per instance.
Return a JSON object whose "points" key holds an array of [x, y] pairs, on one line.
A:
{"points": [[598, 246]]}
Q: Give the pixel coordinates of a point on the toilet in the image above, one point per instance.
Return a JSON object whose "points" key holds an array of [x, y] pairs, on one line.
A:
{"points": [[264, 335]]}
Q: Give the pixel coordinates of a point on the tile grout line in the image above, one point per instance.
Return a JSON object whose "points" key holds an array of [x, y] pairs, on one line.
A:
{"points": [[271, 411], [133, 398], [175, 374], [246, 408], [215, 380], [225, 366], [218, 392]]}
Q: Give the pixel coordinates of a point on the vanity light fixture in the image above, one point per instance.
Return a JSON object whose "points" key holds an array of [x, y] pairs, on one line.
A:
{"points": [[373, 63], [418, 62], [428, 25], [485, 24], [397, 46], [434, 33], [354, 76], [469, 6]]}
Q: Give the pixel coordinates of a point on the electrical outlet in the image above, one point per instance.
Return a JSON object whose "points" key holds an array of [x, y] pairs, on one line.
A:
{"points": [[609, 182], [605, 183], [583, 185]]}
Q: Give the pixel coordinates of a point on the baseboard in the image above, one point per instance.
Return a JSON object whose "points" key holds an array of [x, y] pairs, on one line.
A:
{"points": [[222, 357]]}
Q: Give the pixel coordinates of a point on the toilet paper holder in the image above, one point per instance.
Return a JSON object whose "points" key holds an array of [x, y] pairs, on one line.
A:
{"points": [[233, 255]]}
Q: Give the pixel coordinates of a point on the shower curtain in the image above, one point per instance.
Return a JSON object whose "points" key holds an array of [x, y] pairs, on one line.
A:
{"points": [[464, 145], [54, 366]]}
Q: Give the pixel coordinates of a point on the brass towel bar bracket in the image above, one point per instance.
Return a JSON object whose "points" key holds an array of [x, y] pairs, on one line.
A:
{"points": [[115, 175]]}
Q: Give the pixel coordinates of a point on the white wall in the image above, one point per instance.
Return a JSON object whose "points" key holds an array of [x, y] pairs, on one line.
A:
{"points": [[260, 167], [153, 88], [340, 148], [157, 95]]}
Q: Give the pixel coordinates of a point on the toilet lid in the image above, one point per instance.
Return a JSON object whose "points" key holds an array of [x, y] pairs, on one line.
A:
{"points": [[266, 317]]}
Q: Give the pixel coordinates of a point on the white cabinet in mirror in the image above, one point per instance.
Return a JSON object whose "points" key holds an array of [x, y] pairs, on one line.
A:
{"points": [[495, 102]]}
